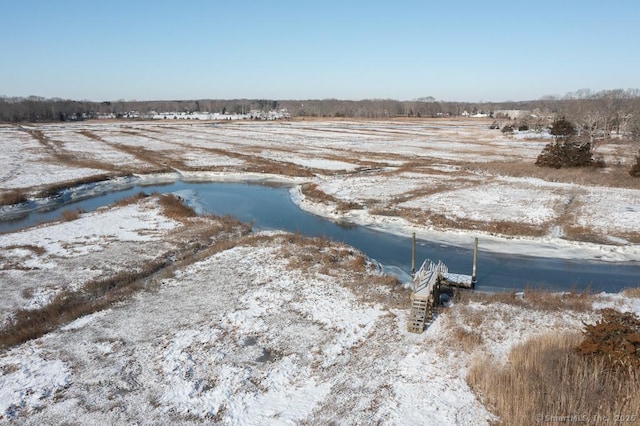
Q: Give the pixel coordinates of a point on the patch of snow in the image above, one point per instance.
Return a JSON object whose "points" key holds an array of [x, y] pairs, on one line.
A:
{"points": [[30, 380]]}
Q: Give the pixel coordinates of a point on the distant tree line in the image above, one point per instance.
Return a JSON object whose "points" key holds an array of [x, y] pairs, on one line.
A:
{"points": [[596, 113]]}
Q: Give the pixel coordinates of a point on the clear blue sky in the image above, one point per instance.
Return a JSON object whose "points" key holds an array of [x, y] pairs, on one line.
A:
{"points": [[451, 50]]}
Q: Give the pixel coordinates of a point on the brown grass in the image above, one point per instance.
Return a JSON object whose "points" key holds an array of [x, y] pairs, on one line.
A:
{"points": [[578, 301], [39, 250], [69, 215], [349, 267], [98, 294], [631, 292], [616, 177], [130, 200], [465, 339], [311, 191], [348, 205], [584, 234], [506, 297], [174, 207], [441, 221], [542, 300], [27, 293], [547, 380], [52, 190], [13, 196], [284, 168], [90, 135], [27, 324]]}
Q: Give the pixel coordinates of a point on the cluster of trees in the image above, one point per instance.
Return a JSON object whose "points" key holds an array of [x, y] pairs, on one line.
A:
{"points": [[569, 149], [598, 112], [573, 148], [34, 108]]}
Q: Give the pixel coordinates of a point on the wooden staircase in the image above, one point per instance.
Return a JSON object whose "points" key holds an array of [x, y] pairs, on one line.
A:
{"points": [[426, 295], [421, 315]]}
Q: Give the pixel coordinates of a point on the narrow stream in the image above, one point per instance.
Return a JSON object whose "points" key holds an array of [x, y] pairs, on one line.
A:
{"points": [[271, 207]]}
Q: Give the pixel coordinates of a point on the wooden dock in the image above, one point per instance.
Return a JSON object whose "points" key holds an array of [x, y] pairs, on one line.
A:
{"points": [[427, 285]]}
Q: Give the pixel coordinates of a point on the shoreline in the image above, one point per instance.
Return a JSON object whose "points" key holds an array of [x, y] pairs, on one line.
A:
{"points": [[537, 247]]}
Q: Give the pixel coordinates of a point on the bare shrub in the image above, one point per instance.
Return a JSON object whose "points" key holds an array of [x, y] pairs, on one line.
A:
{"points": [[358, 263], [27, 293], [69, 215], [547, 377], [615, 339], [174, 207], [14, 196]]}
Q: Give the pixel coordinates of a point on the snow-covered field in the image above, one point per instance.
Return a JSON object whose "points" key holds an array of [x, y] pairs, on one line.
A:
{"points": [[244, 337], [265, 332], [439, 178]]}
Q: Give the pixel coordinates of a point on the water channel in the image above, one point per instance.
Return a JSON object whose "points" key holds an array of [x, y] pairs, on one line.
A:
{"points": [[270, 207]]}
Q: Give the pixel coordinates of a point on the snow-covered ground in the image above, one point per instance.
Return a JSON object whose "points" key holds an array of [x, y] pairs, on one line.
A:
{"points": [[407, 175], [257, 334], [262, 333]]}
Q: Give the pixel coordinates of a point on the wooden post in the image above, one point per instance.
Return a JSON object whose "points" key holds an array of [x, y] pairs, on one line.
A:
{"points": [[475, 262], [413, 256]]}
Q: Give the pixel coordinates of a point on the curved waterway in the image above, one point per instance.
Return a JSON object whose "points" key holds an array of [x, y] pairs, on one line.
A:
{"points": [[271, 207]]}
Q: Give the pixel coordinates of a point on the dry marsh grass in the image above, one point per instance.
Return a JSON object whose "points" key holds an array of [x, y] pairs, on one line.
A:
{"points": [[39, 250], [13, 196], [69, 215], [632, 292], [465, 339], [547, 380], [198, 242], [284, 168], [577, 301], [90, 135], [53, 190], [440, 221], [616, 177], [583, 234], [174, 208], [537, 299], [349, 267], [130, 200], [27, 324], [312, 192]]}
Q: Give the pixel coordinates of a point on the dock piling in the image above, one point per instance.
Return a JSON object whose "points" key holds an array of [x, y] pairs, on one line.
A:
{"points": [[475, 262], [413, 256]]}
